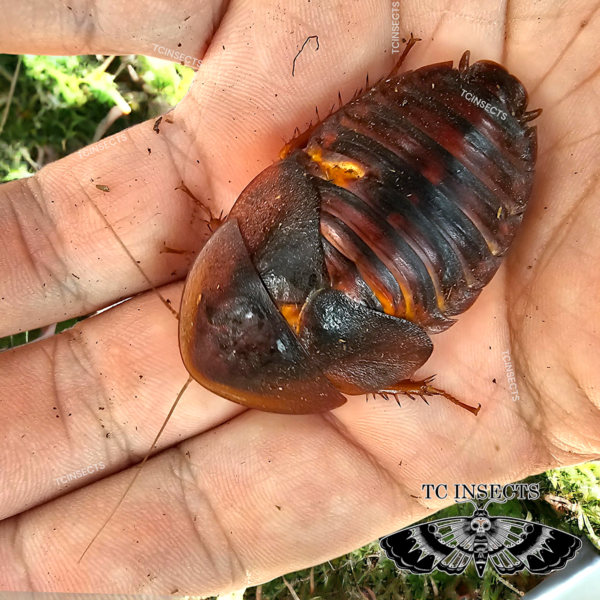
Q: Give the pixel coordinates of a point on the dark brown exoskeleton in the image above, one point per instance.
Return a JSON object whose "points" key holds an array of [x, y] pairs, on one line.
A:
{"points": [[337, 262], [374, 230]]}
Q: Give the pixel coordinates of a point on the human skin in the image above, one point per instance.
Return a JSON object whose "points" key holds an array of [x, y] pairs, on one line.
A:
{"points": [[239, 497]]}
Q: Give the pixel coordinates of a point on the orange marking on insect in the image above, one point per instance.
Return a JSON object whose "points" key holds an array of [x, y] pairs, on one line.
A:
{"points": [[298, 141], [409, 311], [291, 313], [439, 295], [386, 303], [338, 170]]}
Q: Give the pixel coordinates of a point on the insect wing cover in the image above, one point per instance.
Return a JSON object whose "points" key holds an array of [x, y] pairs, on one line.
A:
{"points": [[236, 343]]}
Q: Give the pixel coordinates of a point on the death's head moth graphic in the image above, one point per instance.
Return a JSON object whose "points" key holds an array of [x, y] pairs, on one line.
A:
{"points": [[509, 545]]}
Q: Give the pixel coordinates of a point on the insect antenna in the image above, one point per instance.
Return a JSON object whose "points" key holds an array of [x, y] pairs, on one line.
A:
{"points": [[184, 188], [139, 468], [135, 262]]}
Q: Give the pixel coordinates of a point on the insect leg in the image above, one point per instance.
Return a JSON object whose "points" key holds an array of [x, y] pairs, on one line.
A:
{"points": [[423, 388], [409, 45], [213, 222]]}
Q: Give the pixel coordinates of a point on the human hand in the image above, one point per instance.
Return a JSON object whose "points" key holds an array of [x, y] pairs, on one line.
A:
{"points": [[243, 496]]}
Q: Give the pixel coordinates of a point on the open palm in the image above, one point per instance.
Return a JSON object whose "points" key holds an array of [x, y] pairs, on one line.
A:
{"points": [[243, 496]]}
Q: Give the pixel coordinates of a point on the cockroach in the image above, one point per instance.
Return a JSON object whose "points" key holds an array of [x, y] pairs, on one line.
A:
{"points": [[375, 229]]}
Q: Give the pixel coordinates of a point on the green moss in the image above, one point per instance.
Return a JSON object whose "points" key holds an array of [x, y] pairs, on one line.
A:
{"points": [[59, 102]]}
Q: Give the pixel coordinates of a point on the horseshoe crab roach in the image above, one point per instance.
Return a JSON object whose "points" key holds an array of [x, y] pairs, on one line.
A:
{"points": [[374, 230]]}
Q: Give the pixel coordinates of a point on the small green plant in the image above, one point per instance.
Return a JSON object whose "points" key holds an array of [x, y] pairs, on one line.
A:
{"points": [[576, 492], [12, 341], [55, 105]]}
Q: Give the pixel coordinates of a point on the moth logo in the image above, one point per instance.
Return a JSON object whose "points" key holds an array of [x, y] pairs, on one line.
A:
{"points": [[508, 544]]}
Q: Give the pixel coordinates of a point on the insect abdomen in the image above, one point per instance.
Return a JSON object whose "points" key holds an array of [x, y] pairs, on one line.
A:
{"points": [[423, 182]]}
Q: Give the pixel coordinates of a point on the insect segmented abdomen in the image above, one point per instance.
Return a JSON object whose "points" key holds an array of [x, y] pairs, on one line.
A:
{"points": [[423, 182]]}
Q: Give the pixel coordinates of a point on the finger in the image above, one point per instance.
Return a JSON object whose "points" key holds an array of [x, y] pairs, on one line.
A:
{"points": [[262, 495], [233, 507], [266, 494], [554, 285], [63, 238], [89, 402], [59, 258], [545, 46], [109, 27], [447, 31]]}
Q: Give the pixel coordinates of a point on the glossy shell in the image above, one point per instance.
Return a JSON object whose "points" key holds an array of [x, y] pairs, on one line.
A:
{"points": [[337, 262]]}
